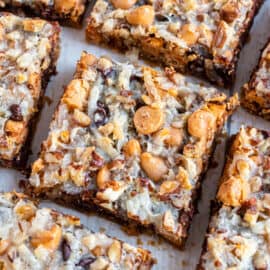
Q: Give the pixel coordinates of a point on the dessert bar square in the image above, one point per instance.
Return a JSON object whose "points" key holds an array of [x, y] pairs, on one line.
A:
{"points": [[69, 12], [41, 238], [238, 234], [29, 50], [255, 94], [196, 36], [131, 141]]}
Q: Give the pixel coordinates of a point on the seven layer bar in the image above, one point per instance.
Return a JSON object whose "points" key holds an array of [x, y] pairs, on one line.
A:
{"points": [[65, 11], [33, 238], [132, 141], [239, 231], [198, 36], [255, 94], [29, 50]]}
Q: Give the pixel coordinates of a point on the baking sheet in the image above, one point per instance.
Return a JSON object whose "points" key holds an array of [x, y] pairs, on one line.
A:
{"points": [[168, 257]]}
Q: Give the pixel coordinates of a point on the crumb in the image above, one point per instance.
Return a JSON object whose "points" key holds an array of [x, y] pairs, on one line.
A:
{"points": [[102, 229], [130, 230], [47, 100], [139, 241], [184, 263]]}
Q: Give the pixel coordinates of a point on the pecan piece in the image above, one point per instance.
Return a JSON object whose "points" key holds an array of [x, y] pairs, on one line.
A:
{"points": [[229, 11], [220, 35], [16, 113]]}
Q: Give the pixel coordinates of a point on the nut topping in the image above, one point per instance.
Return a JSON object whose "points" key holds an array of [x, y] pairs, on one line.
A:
{"points": [[229, 11], [48, 239], [233, 192], [81, 118], [103, 177], [33, 25], [220, 35], [114, 251], [168, 187], [4, 244]]}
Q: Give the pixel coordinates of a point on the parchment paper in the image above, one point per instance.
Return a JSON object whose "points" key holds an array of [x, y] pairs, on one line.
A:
{"points": [[168, 257]]}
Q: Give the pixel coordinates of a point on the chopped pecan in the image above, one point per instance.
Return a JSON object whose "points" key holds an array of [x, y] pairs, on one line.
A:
{"points": [[220, 35], [16, 113], [229, 11]]}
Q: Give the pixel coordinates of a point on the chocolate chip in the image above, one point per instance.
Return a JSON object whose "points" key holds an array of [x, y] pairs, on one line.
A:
{"points": [[66, 250], [266, 188], [106, 72], [16, 113], [162, 18], [101, 114], [136, 78], [85, 262], [265, 134]]}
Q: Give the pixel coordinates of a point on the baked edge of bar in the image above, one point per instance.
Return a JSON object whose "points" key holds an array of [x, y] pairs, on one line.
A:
{"points": [[227, 72], [150, 259], [63, 20], [250, 105], [214, 204], [20, 159]]}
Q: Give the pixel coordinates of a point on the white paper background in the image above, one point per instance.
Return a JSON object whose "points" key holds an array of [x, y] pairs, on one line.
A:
{"points": [[169, 257]]}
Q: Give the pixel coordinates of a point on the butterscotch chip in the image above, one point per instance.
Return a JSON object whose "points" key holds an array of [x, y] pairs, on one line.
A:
{"points": [[123, 4], [189, 34], [148, 120], [65, 6], [154, 167], [143, 15], [200, 122], [132, 148]]}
